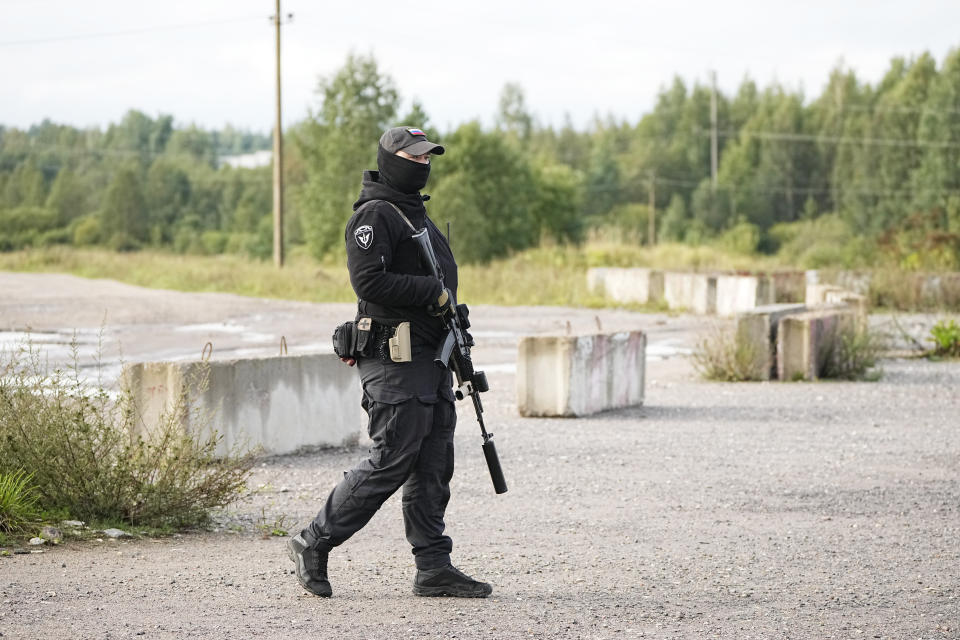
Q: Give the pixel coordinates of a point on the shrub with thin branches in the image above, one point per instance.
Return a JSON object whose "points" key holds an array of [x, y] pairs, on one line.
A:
{"points": [[92, 456], [851, 353]]}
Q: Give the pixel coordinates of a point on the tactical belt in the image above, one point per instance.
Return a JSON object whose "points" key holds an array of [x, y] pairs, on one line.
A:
{"points": [[373, 338]]}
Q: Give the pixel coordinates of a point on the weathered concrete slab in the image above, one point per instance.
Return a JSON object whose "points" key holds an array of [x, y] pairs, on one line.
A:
{"points": [[627, 284], [756, 331], [281, 404], [817, 293], [736, 293], [855, 301], [804, 341], [696, 292], [580, 375]]}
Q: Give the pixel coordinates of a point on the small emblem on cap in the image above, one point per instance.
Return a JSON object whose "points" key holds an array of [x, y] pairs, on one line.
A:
{"points": [[416, 132], [364, 236]]}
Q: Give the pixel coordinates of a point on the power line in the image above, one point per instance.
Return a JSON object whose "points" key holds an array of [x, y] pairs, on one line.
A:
{"points": [[802, 137], [778, 189], [127, 32]]}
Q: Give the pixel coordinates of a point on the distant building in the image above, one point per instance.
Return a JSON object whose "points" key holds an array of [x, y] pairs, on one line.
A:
{"points": [[248, 160]]}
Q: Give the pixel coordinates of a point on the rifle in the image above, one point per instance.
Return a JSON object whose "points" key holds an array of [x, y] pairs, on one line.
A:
{"points": [[454, 353]]}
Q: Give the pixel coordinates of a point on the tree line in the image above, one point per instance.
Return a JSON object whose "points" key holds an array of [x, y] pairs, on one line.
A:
{"points": [[875, 165]]}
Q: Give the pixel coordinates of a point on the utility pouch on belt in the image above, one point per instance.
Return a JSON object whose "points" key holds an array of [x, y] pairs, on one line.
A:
{"points": [[344, 340], [364, 337], [400, 343], [370, 339]]}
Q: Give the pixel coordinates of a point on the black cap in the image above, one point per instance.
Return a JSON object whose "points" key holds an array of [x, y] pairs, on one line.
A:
{"points": [[408, 139]]}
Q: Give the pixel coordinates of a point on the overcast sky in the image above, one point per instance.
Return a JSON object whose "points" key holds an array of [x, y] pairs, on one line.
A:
{"points": [[211, 62]]}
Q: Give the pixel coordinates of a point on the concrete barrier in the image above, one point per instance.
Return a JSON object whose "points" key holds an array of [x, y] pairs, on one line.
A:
{"points": [[756, 333], [695, 292], [908, 290], [741, 293], [856, 302], [817, 293], [627, 285], [804, 342], [280, 403], [580, 375]]}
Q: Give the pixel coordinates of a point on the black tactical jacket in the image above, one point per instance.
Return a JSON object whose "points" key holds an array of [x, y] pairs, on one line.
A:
{"points": [[393, 283]]}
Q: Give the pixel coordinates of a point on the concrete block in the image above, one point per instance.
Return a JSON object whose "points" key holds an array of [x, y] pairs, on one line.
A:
{"points": [[741, 293], [280, 403], [695, 292], [756, 330], [855, 301], [580, 375], [627, 285], [595, 280], [817, 293], [804, 342]]}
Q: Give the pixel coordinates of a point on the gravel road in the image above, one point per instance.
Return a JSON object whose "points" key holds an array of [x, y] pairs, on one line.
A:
{"points": [[755, 510]]}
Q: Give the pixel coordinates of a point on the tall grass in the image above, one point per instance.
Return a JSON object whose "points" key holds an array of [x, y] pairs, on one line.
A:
{"points": [[18, 503], [720, 354], [301, 279], [549, 275], [851, 353]]}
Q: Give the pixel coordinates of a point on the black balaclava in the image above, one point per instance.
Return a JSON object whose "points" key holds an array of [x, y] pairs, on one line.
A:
{"points": [[406, 176]]}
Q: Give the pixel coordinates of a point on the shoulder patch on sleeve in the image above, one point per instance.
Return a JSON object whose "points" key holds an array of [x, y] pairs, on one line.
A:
{"points": [[364, 236]]}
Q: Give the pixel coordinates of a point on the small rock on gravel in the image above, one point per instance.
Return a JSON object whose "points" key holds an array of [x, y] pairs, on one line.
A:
{"points": [[116, 533], [52, 534]]}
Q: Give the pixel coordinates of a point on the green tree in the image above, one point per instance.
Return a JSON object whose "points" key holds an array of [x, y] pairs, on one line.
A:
{"points": [[68, 197], [25, 187], [897, 118], [512, 114], [166, 194], [556, 209], [338, 143], [124, 215], [194, 143], [485, 189], [674, 222], [936, 179]]}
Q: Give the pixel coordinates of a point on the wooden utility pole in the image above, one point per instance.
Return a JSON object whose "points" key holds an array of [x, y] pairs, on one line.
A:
{"points": [[713, 130], [652, 219], [278, 162]]}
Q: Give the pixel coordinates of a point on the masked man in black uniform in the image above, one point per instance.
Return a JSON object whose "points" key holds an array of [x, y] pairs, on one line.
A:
{"points": [[409, 404]]}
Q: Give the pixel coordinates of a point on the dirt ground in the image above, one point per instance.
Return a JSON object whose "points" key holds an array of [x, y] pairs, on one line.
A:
{"points": [[755, 510]]}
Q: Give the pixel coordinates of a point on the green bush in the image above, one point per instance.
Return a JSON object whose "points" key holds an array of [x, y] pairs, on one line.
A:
{"points": [[86, 231], [123, 241], [851, 353], [214, 242], [26, 219], [945, 336], [18, 503], [93, 457], [743, 238]]}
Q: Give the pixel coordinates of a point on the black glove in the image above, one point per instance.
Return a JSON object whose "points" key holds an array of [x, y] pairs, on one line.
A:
{"points": [[444, 304]]}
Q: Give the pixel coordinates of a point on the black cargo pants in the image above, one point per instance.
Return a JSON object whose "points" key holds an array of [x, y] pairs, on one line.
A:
{"points": [[412, 431]]}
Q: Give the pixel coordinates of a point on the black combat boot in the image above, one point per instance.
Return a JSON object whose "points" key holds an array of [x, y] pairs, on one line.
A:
{"points": [[449, 581], [311, 566]]}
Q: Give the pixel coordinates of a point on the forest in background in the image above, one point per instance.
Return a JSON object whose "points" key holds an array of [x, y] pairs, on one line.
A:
{"points": [[860, 175]]}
